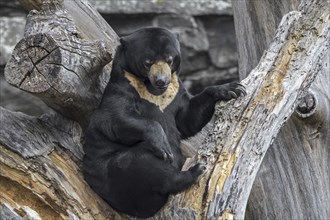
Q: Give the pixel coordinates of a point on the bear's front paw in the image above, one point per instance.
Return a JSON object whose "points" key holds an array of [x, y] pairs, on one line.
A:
{"points": [[227, 91], [164, 153], [197, 169], [167, 155]]}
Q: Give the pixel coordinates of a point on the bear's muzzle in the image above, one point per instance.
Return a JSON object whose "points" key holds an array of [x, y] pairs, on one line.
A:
{"points": [[160, 75]]}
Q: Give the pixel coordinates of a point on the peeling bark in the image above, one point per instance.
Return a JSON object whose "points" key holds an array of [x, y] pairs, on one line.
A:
{"points": [[233, 149]]}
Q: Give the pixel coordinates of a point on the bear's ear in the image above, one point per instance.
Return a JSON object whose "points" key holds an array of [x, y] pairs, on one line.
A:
{"points": [[123, 42]]}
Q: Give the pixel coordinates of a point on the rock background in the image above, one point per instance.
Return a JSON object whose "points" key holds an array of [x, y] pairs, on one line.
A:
{"points": [[206, 29]]}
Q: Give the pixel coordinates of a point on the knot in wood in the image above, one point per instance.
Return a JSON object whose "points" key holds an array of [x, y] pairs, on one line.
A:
{"points": [[306, 106]]}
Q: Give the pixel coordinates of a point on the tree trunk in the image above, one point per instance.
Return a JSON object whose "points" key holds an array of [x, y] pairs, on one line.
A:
{"points": [[293, 181], [57, 61]]}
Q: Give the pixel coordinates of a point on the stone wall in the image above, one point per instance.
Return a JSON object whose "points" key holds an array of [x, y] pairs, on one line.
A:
{"points": [[206, 29]]}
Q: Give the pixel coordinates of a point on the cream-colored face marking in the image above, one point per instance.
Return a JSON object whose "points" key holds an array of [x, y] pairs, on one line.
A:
{"points": [[163, 100], [157, 68]]}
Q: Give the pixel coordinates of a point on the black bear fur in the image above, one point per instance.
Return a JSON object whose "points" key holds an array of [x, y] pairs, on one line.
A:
{"points": [[132, 155]]}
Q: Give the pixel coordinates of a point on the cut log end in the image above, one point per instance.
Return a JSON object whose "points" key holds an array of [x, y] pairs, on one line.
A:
{"points": [[57, 65], [29, 66], [40, 63]]}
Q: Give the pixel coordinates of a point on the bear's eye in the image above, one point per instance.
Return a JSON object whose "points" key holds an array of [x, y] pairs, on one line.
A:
{"points": [[147, 63], [169, 60]]}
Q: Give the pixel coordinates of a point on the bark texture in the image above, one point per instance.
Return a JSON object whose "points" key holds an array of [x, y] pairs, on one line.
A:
{"points": [[233, 150], [293, 180]]}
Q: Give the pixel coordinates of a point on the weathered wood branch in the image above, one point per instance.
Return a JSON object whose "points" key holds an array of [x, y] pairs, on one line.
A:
{"points": [[233, 152], [50, 184], [294, 177], [62, 58], [30, 136], [293, 181]]}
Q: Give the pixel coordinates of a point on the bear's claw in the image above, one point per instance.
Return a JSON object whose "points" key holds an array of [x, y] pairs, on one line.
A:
{"points": [[227, 91], [198, 169], [168, 157]]}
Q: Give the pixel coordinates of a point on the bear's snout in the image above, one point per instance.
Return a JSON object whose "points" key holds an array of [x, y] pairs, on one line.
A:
{"points": [[160, 75], [161, 81]]}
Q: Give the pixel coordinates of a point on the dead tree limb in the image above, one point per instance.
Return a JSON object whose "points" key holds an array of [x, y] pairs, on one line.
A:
{"points": [[293, 181], [233, 151]]}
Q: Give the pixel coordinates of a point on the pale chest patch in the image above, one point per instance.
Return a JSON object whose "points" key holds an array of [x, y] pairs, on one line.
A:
{"points": [[163, 100]]}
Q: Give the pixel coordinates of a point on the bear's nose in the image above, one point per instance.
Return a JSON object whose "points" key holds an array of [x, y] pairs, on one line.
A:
{"points": [[160, 81]]}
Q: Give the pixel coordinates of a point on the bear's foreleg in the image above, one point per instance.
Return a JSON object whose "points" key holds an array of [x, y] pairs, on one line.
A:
{"points": [[133, 131], [200, 108]]}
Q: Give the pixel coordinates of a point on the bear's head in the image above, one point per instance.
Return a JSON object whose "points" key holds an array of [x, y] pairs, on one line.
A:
{"points": [[153, 55]]}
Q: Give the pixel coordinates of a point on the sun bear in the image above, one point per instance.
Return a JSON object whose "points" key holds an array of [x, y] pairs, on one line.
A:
{"points": [[132, 155]]}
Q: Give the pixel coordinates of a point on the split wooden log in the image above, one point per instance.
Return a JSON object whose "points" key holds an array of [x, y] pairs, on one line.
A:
{"points": [[233, 151], [39, 160]]}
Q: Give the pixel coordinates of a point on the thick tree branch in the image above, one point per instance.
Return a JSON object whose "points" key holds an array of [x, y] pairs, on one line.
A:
{"points": [[293, 179], [30, 136]]}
